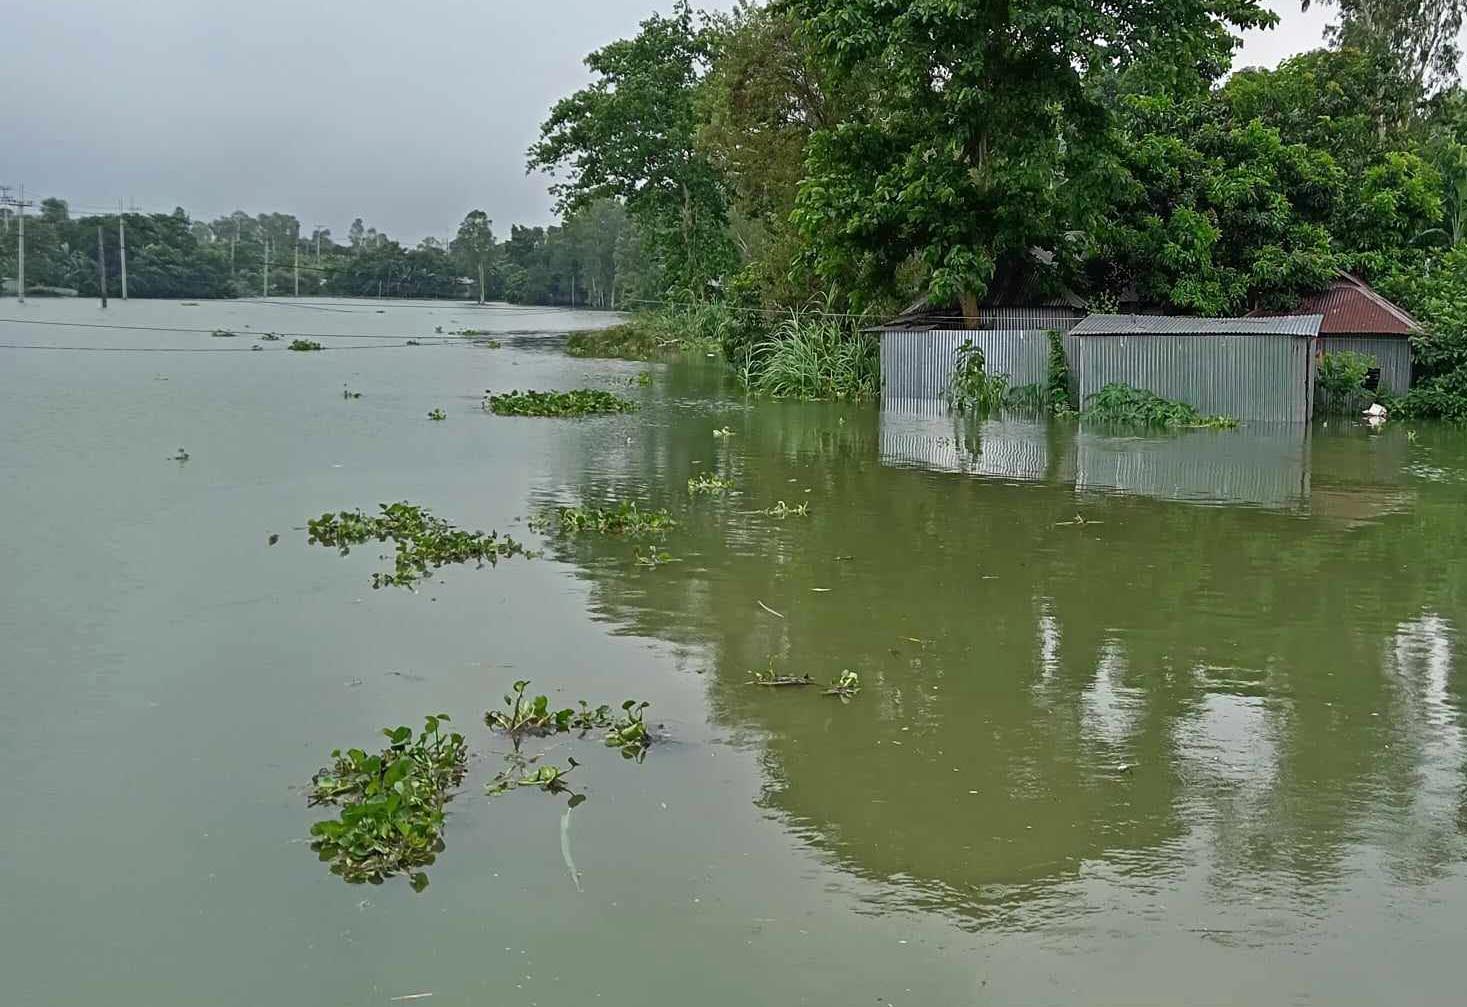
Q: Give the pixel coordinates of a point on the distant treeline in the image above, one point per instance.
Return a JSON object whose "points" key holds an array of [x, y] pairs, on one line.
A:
{"points": [[592, 259]]}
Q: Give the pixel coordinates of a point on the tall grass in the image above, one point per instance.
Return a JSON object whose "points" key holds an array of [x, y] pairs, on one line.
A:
{"points": [[971, 389], [679, 327], [810, 355]]}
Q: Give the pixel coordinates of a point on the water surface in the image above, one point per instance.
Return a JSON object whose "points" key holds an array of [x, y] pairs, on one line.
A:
{"points": [[1203, 745]]}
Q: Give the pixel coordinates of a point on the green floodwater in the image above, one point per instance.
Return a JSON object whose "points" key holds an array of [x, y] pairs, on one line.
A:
{"points": [[1205, 748]]}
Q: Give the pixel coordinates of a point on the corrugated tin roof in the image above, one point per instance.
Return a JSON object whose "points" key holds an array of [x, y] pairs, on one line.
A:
{"points": [[1179, 325], [1350, 307]]}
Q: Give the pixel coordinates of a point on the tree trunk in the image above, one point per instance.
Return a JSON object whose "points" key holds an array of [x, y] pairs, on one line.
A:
{"points": [[481, 282], [969, 301]]}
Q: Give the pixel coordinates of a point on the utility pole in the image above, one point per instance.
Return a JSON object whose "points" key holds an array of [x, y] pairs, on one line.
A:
{"points": [[5, 201], [101, 266], [297, 268], [319, 229], [233, 243], [122, 247], [265, 272], [20, 205]]}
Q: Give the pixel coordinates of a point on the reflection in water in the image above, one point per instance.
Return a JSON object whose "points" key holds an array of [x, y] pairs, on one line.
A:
{"points": [[1237, 712]]}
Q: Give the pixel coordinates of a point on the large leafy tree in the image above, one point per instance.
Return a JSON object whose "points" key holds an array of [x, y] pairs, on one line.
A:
{"points": [[473, 246], [1418, 36], [631, 135], [986, 124]]}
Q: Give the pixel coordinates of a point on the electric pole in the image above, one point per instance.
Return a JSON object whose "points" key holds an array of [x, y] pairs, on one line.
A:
{"points": [[122, 248], [319, 229], [5, 201], [265, 272], [297, 268], [101, 266], [20, 205]]}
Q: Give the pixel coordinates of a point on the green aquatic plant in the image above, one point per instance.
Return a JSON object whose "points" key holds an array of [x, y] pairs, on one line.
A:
{"points": [[347, 393], [304, 345], [784, 510], [548, 779], [391, 819], [846, 686], [723, 432], [413, 342], [533, 716], [422, 541], [772, 679], [707, 483], [629, 732], [654, 558], [580, 402], [1125, 405], [223, 334], [437, 414], [971, 389], [1031, 398], [269, 337], [626, 518]]}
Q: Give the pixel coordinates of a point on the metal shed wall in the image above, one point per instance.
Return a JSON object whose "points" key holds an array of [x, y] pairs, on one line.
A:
{"points": [[918, 365], [1392, 354], [1255, 376]]}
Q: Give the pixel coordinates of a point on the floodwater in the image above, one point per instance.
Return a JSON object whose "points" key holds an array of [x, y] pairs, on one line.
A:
{"points": [[1170, 720]]}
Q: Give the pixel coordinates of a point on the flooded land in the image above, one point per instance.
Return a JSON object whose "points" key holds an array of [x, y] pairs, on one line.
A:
{"points": [[1172, 719]]}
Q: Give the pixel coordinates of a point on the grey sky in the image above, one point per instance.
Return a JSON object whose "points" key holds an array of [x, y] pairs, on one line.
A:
{"points": [[407, 115]]}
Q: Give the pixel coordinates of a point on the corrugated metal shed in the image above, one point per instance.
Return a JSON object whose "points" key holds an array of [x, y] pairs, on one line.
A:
{"points": [[1180, 325], [1351, 307], [917, 365], [1258, 369]]}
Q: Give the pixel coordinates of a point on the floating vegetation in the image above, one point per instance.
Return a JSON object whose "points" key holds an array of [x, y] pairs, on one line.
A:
{"points": [[391, 819], [269, 337], [769, 677], [188, 304], [1078, 519], [412, 342], [223, 334], [182, 456], [784, 510], [637, 340], [626, 518], [437, 414], [347, 393], [525, 716], [438, 329], [1123, 404], [472, 332], [707, 482], [629, 732], [304, 345], [654, 558], [644, 379], [422, 541], [723, 432], [488, 344], [846, 686], [580, 402], [548, 779]]}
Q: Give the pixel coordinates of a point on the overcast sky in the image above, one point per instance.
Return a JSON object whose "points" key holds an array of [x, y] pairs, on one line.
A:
{"points": [[406, 114]]}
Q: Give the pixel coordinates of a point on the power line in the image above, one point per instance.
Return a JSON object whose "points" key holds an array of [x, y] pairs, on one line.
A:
{"points": [[209, 332], [193, 349]]}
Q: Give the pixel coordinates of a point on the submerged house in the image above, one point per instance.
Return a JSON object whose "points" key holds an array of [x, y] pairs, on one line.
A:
{"points": [[1259, 369], [1357, 318]]}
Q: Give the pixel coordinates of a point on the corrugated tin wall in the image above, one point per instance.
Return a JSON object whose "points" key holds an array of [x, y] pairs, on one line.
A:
{"points": [[1249, 377], [918, 365], [1267, 465], [1392, 354]]}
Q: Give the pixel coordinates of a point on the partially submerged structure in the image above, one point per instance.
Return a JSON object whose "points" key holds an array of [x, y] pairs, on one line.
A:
{"points": [[1259, 369]]}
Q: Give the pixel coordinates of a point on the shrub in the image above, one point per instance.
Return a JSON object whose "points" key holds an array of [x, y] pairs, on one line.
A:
{"points": [[971, 389], [1341, 376], [1123, 404], [1059, 374]]}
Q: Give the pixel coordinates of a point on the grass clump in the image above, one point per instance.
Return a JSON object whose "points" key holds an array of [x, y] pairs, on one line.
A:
{"points": [[437, 414], [423, 542], [626, 518], [706, 483], [783, 510], [971, 389], [813, 356], [304, 345], [391, 819], [580, 402], [1126, 405]]}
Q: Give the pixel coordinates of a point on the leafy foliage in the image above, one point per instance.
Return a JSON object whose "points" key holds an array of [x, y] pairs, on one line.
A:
{"points": [[971, 389], [1125, 405], [626, 518], [813, 356], [706, 483], [526, 716], [391, 819], [1342, 374], [422, 541], [581, 402], [304, 345]]}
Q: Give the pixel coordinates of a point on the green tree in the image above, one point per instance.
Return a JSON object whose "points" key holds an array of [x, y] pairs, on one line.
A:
{"points": [[631, 135], [473, 246], [987, 131], [1418, 36]]}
